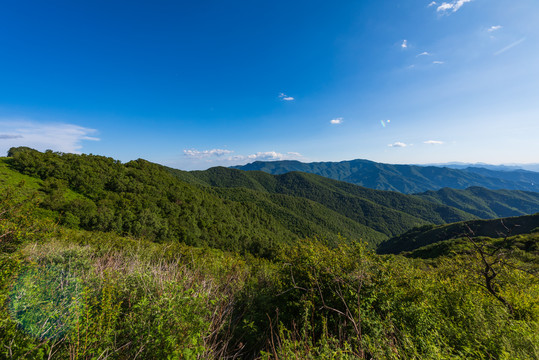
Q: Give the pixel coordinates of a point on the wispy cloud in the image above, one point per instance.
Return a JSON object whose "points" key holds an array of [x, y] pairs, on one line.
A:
{"points": [[285, 97], [264, 156], [43, 136], [509, 47], [294, 154], [452, 6], [432, 4], [336, 121], [404, 44], [273, 155], [9, 137], [193, 153], [223, 156], [494, 28], [438, 62], [424, 53], [433, 142], [397, 144]]}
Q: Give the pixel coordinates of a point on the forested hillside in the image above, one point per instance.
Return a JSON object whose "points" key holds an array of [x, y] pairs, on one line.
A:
{"points": [[430, 234], [486, 203], [407, 179], [387, 212], [142, 199]]}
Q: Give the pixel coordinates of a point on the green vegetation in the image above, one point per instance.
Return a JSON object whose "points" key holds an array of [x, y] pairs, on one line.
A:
{"points": [[82, 295], [94, 288]]}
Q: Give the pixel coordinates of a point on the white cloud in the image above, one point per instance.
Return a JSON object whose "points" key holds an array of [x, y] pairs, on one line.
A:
{"points": [[494, 28], [10, 137], [432, 4], [433, 142], [424, 53], [404, 44], [444, 7], [223, 157], [294, 154], [285, 97], [438, 62], [454, 5], [206, 153], [398, 144], [336, 121], [509, 47], [43, 136], [266, 156]]}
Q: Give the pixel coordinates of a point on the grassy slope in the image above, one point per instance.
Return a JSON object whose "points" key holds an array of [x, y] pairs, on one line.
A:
{"points": [[27, 185], [9, 177]]}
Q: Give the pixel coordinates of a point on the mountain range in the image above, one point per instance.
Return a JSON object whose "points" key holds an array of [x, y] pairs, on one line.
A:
{"points": [[502, 167], [407, 179], [243, 211]]}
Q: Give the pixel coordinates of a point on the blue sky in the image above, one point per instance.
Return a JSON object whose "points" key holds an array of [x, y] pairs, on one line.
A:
{"points": [[203, 83]]}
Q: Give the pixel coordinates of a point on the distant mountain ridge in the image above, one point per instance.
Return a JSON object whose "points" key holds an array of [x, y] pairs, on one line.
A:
{"points": [[376, 209], [407, 179], [503, 167], [485, 203]]}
